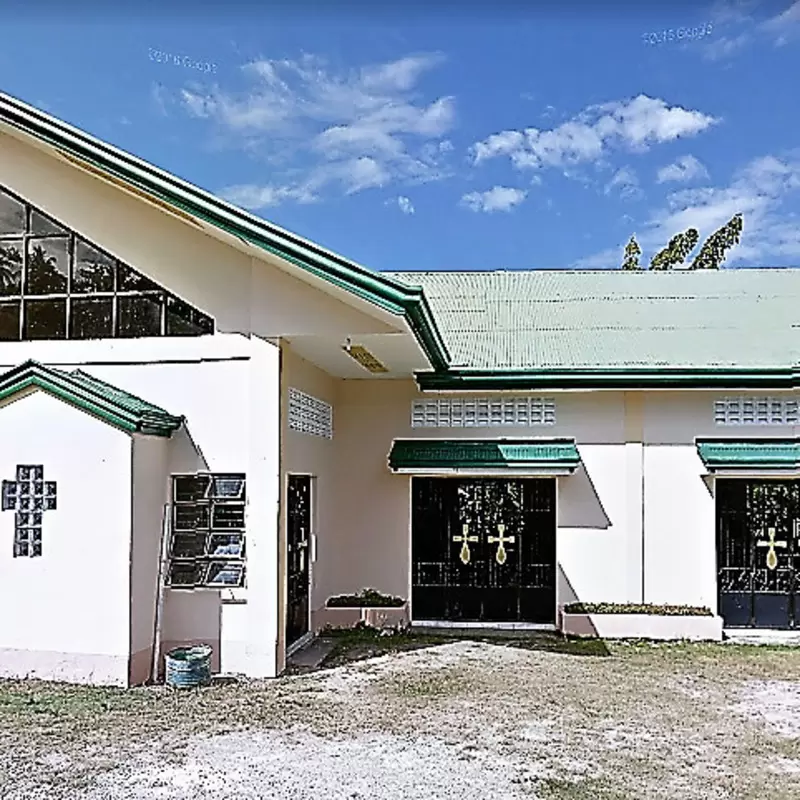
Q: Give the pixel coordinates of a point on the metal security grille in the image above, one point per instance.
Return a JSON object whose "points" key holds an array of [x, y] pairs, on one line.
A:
{"points": [[758, 552], [482, 412], [483, 550], [298, 540], [756, 411], [310, 415]]}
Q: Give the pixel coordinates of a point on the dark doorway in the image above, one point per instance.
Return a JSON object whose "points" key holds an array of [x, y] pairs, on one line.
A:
{"points": [[757, 552], [298, 516], [484, 550]]}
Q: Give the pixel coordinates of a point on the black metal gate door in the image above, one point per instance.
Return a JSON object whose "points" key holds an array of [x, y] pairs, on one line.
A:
{"points": [[298, 515], [757, 552], [484, 550]]}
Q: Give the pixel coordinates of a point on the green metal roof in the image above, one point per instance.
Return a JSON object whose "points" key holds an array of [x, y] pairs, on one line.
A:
{"points": [[463, 454], [119, 408], [549, 326], [402, 298], [750, 453]]}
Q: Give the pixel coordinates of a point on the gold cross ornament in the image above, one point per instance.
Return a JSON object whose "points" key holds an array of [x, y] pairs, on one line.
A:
{"points": [[465, 539], [501, 540], [772, 557]]}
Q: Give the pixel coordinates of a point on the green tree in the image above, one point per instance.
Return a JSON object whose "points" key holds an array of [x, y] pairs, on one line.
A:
{"points": [[712, 253], [632, 252], [676, 251]]}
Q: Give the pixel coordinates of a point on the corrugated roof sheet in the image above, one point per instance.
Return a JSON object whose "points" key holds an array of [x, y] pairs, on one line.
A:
{"points": [[549, 319]]}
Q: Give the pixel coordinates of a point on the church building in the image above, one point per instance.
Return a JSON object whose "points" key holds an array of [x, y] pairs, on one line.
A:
{"points": [[212, 426]]}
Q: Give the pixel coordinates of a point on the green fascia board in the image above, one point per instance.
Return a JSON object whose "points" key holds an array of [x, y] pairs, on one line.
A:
{"points": [[749, 453], [386, 293], [124, 411], [466, 454], [612, 378]]}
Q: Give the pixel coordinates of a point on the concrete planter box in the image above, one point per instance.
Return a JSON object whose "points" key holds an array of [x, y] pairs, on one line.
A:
{"points": [[373, 616], [642, 626]]}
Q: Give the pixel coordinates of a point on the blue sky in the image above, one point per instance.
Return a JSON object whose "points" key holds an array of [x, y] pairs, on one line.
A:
{"points": [[469, 137]]}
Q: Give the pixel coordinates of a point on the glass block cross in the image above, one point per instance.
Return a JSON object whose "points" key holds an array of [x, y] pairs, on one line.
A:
{"points": [[30, 496]]}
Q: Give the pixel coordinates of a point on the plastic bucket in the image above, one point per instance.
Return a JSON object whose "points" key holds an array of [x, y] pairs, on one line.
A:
{"points": [[187, 667]]}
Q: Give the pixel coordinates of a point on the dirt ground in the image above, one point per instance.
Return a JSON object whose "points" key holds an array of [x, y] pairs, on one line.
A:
{"points": [[461, 719]]}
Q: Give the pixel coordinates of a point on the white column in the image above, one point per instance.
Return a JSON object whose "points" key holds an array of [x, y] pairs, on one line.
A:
{"points": [[634, 496], [263, 488]]}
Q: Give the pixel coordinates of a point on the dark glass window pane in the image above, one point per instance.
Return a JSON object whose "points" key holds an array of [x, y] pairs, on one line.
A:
{"points": [[188, 545], [45, 319], [130, 279], [9, 321], [222, 573], [48, 265], [187, 573], [226, 545], [139, 316], [12, 215], [93, 271], [227, 487], [10, 266], [91, 318], [191, 517], [227, 517], [188, 488], [183, 320], [44, 226]]}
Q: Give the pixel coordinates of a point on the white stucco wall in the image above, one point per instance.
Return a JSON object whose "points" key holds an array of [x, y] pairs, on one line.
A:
{"points": [[315, 456], [150, 481], [67, 613], [680, 518], [636, 523]]}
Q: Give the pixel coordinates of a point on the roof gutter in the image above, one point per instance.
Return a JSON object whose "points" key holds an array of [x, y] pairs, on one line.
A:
{"points": [[456, 380], [386, 293]]}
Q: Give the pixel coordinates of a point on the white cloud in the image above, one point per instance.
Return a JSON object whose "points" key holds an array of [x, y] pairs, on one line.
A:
{"points": [[498, 198], [780, 28], [635, 124], [357, 129], [758, 191], [252, 197], [785, 25], [403, 203], [625, 182], [684, 169]]}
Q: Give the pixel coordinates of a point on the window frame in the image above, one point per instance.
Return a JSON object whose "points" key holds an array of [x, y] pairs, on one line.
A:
{"points": [[204, 324], [207, 560]]}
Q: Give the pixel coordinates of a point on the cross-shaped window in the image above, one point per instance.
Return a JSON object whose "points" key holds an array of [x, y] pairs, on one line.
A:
{"points": [[30, 496]]}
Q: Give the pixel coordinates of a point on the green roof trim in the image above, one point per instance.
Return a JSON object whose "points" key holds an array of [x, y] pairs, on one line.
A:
{"points": [[749, 453], [118, 408], [628, 377], [421, 454], [391, 295]]}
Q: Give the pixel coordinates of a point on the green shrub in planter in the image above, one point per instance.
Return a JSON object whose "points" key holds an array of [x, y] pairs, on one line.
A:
{"points": [[366, 598], [634, 608]]}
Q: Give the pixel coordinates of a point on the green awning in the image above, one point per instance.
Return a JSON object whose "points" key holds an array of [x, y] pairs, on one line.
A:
{"points": [[758, 454], [457, 454]]}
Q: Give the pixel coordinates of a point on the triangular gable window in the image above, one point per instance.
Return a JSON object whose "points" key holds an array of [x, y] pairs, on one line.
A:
{"points": [[54, 284]]}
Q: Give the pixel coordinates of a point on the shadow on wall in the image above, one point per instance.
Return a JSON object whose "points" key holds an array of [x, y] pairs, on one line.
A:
{"points": [[566, 595], [579, 505], [190, 616]]}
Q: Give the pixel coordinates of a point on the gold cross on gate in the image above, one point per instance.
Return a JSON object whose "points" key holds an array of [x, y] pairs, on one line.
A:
{"points": [[501, 540], [772, 558], [465, 538]]}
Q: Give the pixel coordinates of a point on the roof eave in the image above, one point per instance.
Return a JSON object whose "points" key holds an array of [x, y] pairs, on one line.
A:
{"points": [[611, 378], [388, 294], [34, 375]]}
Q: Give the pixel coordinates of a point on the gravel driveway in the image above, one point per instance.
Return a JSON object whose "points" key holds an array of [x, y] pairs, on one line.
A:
{"points": [[464, 720]]}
